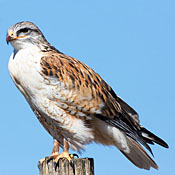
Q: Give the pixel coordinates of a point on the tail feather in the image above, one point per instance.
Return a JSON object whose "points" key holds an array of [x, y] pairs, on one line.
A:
{"points": [[138, 155]]}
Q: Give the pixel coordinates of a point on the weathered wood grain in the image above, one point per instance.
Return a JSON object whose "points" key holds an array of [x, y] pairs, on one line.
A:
{"points": [[83, 166]]}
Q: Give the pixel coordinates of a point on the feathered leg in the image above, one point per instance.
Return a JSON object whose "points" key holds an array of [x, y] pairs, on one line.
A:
{"points": [[55, 147]]}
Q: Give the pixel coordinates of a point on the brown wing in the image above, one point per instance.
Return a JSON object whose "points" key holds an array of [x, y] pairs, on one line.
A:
{"points": [[89, 92], [84, 93]]}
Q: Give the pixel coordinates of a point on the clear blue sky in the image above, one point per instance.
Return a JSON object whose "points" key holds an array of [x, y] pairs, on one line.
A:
{"points": [[131, 44]]}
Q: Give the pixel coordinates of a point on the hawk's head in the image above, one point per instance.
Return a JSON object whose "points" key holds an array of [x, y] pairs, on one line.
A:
{"points": [[24, 34]]}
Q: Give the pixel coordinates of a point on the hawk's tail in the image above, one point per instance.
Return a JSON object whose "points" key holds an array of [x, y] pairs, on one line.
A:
{"points": [[138, 155]]}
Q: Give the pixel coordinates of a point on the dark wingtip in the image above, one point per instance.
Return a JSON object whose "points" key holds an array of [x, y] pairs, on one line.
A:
{"points": [[152, 137], [165, 144]]}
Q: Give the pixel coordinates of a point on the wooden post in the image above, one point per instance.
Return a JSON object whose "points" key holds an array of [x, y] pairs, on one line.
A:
{"points": [[83, 166]]}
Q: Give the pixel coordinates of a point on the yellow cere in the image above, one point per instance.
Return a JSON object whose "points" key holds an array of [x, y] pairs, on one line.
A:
{"points": [[10, 33]]}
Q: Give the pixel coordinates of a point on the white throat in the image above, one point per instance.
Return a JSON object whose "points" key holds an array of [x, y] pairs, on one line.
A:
{"points": [[18, 45]]}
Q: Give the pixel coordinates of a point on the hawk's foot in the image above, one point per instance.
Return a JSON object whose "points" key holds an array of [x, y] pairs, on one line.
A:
{"points": [[48, 158], [56, 157]]}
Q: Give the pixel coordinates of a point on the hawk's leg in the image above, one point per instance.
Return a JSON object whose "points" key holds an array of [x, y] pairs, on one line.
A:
{"points": [[55, 149], [54, 154], [65, 154]]}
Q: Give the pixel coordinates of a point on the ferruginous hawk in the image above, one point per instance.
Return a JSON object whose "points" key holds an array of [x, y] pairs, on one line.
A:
{"points": [[73, 103]]}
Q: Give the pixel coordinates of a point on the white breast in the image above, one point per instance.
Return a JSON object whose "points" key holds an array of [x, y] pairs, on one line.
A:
{"points": [[24, 68]]}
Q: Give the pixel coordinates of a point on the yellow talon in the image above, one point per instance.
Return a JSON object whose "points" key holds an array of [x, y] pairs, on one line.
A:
{"points": [[65, 155]]}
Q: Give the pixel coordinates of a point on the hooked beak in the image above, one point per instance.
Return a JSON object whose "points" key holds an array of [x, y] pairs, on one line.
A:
{"points": [[8, 39], [11, 37]]}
